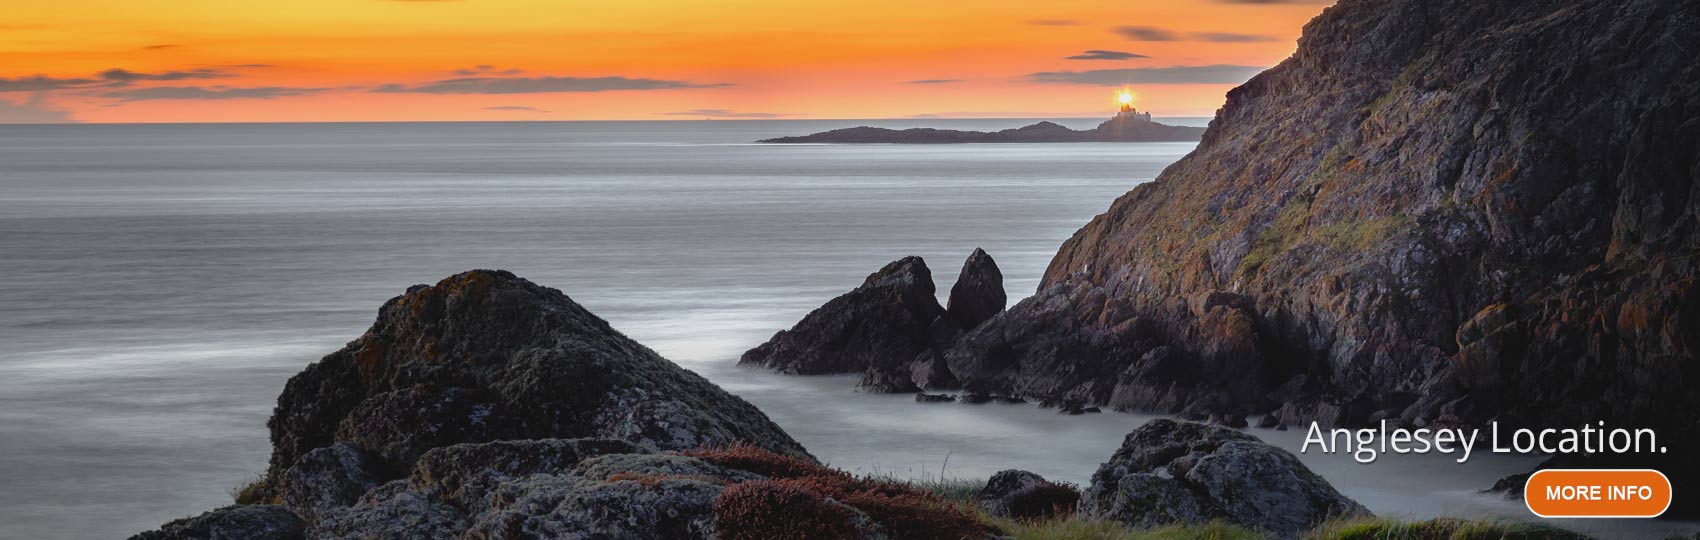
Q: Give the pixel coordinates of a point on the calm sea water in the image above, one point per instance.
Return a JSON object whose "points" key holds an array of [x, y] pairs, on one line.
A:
{"points": [[163, 281]]}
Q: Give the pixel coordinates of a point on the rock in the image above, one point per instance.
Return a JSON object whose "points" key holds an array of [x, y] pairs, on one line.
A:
{"points": [[976, 399], [1024, 495], [327, 479], [978, 293], [1009, 400], [881, 326], [930, 372], [934, 398], [484, 356], [1181, 472], [250, 522], [464, 474], [1268, 421], [1231, 420]]}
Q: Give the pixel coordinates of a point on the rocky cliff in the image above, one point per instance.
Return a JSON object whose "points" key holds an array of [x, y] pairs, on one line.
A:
{"points": [[1435, 210]]}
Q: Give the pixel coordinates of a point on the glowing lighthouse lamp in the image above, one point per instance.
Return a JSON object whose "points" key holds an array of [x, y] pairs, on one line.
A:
{"points": [[1127, 111]]}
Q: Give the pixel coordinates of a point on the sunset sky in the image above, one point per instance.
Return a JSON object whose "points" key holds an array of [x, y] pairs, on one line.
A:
{"points": [[384, 60]]}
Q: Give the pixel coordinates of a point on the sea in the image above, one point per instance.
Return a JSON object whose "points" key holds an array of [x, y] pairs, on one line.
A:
{"points": [[162, 282]]}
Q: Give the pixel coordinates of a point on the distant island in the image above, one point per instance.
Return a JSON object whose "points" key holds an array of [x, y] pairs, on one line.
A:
{"points": [[1128, 125]]}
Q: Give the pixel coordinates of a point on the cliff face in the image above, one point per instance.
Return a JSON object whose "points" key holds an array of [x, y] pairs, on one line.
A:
{"points": [[1435, 210]]}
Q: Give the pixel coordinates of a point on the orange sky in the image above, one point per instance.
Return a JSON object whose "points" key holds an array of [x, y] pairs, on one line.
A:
{"points": [[378, 60]]}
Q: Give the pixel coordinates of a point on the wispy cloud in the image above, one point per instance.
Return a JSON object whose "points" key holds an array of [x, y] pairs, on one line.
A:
{"points": [[486, 70], [728, 114], [1230, 37], [209, 93], [1152, 33], [517, 108], [1097, 54], [1146, 33], [1214, 74], [1053, 22], [34, 111], [539, 85], [42, 83], [935, 81], [115, 77], [125, 76]]}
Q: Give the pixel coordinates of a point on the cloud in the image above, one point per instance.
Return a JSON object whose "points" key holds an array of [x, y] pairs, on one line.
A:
{"points": [[725, 113], [125, 76], [935, 81], [486, 69], [539, 85], [1146, 33], [212, 93], [42, 83], [519, 108], [114, 77], [34, 111], [1229, 37], [1053, 22], [1096, 54], [1214, 74], [1152, 33]]}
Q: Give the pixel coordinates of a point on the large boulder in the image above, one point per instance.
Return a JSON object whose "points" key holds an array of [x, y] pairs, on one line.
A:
{"points": [[252, 522], [891, 329], [484, 356], [978, 293], [885, 322], [1181, 472]]}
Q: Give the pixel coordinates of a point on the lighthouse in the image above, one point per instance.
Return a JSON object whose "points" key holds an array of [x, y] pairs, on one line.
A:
{"points": [[1128, 112]]}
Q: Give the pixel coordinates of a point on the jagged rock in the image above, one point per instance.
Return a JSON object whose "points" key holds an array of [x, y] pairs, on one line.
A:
{"points": [[1169, 472], [890, 329], [463, 474], [393, 511], [1268, 420], [881, 325], [485, 355], [1024, 495], [978, 293], [326, 479], [251, 522]]}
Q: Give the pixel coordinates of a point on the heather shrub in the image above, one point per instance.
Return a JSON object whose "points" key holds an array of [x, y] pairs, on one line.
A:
{"points": [[746, 457], [917, 516], [767, 509], [1045, 500]]}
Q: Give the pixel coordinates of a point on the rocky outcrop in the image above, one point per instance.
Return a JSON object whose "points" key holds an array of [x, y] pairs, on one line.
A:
{"points": [[890, 329], [884, 323], [1434, 211], [252, 522], [1119, 129], [1181, 472], [489, 407], [978, 293], [485, 356]]}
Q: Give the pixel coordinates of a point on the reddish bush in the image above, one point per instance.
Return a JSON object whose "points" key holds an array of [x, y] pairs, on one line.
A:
{"points": [[745, 457], [796, 496], [919, 517], [767, 510], [1044, 500]]}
